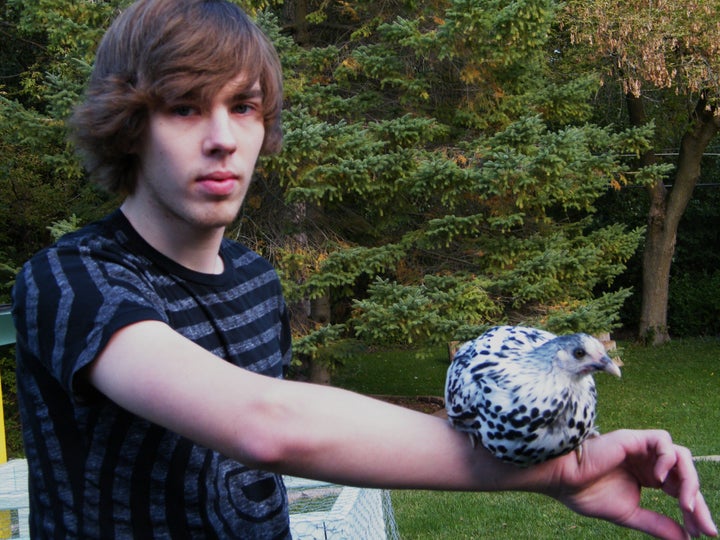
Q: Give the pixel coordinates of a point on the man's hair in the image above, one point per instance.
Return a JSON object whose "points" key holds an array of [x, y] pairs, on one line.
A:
{"points": [[155, 52]]}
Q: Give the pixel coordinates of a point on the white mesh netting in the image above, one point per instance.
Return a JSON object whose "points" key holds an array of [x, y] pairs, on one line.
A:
{"points": [[320, 511], [14, 506]]}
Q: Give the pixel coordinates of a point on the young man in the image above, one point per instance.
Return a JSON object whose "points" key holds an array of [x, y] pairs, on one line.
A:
{"points": [[150, 348]]}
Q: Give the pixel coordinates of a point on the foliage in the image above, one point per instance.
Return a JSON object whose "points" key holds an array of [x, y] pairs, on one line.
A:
{"points": [[428, 149], [13, 429], [434, 178], [49, 46], [700, 226], [662, 59], [694, 305], [676, 41], [427, 312], [64, 226], [391, 178], [595, 317]]}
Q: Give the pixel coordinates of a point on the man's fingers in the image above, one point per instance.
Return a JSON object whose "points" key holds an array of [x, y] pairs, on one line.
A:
{"points": [[699, 521], [681, 479], [683, 482], [656, 525], [666, 455]]}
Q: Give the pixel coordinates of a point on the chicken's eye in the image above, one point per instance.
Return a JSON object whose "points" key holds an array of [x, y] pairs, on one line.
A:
{"points": [[579, 353]]}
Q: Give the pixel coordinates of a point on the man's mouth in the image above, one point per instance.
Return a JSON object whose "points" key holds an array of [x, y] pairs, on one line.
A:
{"points": [[218, 183]]}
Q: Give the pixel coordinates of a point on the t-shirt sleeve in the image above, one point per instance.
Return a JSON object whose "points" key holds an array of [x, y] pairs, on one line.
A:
{"points": [[68, 303]]}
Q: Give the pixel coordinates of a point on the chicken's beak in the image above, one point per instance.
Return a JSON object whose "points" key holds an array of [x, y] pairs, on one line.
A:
{"points": [[606, 364]]}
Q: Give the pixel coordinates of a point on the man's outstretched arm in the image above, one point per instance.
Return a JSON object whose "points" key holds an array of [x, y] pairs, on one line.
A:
{"points": [[331, 434]]}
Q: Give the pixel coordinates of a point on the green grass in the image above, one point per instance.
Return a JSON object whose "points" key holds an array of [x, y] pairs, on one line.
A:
{"points": [[499, 516], [674, 387], [396, 372]]}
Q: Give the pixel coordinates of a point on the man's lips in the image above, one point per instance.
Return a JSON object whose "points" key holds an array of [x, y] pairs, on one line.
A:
{"points": [[218, 183], [219, 175]]}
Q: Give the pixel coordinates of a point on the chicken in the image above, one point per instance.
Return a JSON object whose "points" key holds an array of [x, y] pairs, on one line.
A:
{"points": [[526, 394]]}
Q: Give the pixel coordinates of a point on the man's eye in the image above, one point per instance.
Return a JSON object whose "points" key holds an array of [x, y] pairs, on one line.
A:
{"points": [[182, 110], [243, 108]]}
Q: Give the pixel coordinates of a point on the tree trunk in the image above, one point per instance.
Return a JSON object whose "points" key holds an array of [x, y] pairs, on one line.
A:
{"points": [[320, 372], [307, 313], [320, 309], [295, 11], [666, 211], [657, 258]]}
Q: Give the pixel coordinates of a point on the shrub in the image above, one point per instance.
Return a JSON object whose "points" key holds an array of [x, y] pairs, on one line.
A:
{"points": [[694, 305]]}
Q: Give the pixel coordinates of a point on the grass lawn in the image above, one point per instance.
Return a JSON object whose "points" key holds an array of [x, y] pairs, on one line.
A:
{"points": [[674, 387]]}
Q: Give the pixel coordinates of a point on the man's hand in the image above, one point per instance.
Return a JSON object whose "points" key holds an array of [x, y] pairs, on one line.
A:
{"points": [[614, 469]]}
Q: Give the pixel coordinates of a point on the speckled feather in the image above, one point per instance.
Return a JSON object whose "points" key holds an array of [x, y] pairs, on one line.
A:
{"points": [[526, 394]]}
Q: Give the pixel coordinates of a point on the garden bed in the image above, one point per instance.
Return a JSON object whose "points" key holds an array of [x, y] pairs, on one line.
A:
{"points": [[427, 404]]}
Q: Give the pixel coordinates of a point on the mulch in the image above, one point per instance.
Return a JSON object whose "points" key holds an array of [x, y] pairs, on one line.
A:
{"points": [[434, 405]]}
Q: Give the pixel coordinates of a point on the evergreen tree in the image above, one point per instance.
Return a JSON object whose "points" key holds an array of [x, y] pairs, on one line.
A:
{"points": [[434, 179], [46, 56]]}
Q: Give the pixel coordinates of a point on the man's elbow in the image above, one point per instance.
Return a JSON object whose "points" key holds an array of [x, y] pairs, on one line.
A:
{"points": [[272, 435]]}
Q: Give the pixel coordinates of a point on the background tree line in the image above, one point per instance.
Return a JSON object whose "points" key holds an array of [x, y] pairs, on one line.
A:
{"points": [[447, 165]]}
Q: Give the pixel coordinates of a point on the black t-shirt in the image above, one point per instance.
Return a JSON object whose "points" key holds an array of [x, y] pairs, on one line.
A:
{"points": [[98, 471]]}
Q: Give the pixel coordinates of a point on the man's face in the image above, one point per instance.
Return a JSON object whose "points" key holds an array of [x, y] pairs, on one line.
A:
{"points": [[197, 158]]}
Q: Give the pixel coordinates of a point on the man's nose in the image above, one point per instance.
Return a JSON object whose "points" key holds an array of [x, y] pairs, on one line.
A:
{"points": [[219, 137]]}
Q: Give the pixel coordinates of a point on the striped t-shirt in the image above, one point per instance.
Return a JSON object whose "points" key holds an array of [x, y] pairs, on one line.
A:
{"points": [[97, 471]]}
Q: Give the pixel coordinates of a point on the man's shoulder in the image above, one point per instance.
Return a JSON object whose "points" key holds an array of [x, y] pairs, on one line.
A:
{"points": [[243, 256], [105, 233], [100, 241]]}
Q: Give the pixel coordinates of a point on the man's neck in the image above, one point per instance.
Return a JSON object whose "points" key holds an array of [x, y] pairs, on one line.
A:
{"points": [[191, 247]]}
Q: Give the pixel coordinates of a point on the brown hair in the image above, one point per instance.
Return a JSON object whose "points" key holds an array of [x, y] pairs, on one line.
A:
{"points": [[157, 51]]}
